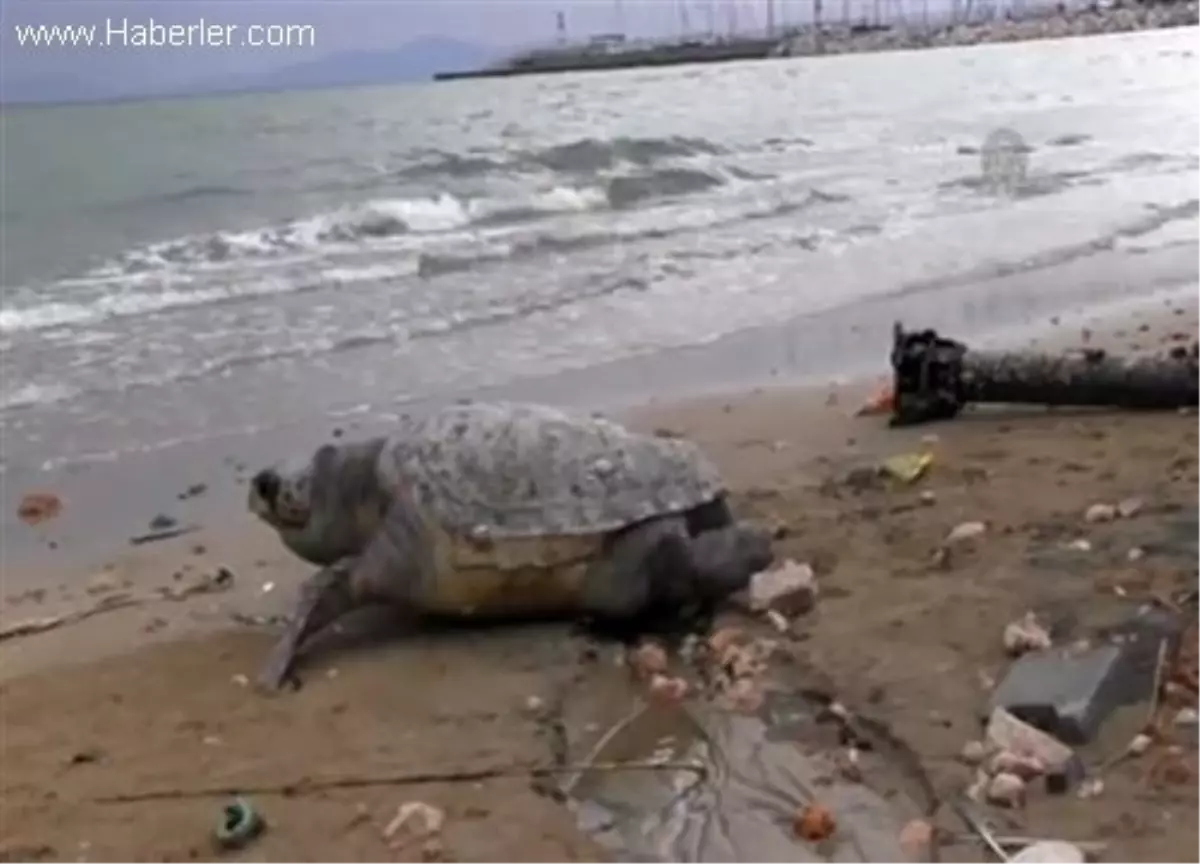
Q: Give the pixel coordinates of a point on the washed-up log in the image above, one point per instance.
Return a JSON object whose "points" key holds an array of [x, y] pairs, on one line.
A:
{"points": [[934, 377]]}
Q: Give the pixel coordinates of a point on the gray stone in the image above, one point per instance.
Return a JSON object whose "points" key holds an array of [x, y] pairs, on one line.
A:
{"points": [[1064, 693]]}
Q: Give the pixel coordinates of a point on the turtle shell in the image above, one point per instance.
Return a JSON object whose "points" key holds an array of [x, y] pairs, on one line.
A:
{"points": [[508, 470]]}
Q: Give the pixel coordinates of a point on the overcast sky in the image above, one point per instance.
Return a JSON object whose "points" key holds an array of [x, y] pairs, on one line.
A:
{"points": [[338, 25]]}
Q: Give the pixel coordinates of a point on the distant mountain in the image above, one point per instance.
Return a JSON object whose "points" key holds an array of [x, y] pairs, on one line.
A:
{"points": [[51, 87], [413, 61]]}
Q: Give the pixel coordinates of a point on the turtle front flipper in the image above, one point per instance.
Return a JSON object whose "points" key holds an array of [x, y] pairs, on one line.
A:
{"points": [[394, 569], [324, 597]]}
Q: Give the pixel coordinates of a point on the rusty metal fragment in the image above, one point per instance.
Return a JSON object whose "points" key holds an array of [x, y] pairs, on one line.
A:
{"points": [[935, 377]]}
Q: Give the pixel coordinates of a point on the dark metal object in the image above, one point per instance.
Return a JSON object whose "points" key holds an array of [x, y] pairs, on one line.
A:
{"points": [[935, 377]]}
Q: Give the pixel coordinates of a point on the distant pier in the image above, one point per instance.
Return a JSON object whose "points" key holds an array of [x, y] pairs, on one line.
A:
{"points": [[586, 58]]}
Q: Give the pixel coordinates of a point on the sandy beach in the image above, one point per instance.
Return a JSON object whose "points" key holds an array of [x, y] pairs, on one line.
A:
{"points": [[152, 698]]}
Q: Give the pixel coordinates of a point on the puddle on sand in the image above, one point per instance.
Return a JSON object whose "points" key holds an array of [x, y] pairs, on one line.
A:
{"points": [[758, 769]]}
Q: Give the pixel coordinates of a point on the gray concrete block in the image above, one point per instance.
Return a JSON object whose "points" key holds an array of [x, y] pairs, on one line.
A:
{"points": [[1064, 693]]}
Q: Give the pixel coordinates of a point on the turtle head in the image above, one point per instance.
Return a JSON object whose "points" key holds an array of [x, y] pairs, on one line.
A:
{"points": [[326, 507], [284, 496]]}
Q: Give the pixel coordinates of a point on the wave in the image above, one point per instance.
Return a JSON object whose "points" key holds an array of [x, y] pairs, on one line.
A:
{"points": [[581, 156], [210, 270], [395, 217]]}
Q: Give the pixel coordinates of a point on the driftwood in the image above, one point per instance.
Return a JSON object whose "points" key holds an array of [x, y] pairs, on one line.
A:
{"points": [[222, 581], [935, 377], [416, 778]]}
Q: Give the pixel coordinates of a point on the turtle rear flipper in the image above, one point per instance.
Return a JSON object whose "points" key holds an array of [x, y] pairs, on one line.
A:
{"points": [[723, 560]]}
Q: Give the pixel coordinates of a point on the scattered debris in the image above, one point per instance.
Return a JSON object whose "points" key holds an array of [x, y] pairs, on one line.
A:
{"points": [[415, 821], [193, 491], [1068, 694], [1129, 507], [240, 824], [38, 507], [668, 688], [881, 402], [814, 823], [1092, 787], [934, 378], [535, 706], [907, 467], [779, 621], [164, 534], [648, 659], [916, 839], [162, 521]]}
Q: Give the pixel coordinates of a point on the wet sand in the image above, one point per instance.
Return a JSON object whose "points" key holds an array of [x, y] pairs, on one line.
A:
{"points": [[149, 697]]}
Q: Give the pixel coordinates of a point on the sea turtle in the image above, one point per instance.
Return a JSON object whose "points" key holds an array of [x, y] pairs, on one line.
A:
{"points": [[504, 510]]}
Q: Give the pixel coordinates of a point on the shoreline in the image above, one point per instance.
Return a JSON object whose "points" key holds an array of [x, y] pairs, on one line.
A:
{"points": [[840, 344]]}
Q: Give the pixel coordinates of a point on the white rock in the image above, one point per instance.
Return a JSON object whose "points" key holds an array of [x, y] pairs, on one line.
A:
{"points": [[1140, 744], [790, 589], [1135, 554], [1186, 717], [1007, 790], [1091, 788], [778, 620], [1008, 733], [973, 752], [1025, 634], [927, 496], [1080, 544], [414, 820], [1025, 766], [965, 531], [1127, 508], [1100, 513], [1051, 852]]}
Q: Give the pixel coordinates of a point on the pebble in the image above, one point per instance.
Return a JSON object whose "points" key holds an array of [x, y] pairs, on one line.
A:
{"points": [[1006, 790], [916, 839], [534, 705], [965, 531], [927, 497], [240, 680], [1129, 507], [1025, 634], [973, 753], [668, 689], [1186, 717], [1135, 554], [648, 659], [1091, 788], [778, 620], [1140, 744], [268, 587], [1100, 513]]}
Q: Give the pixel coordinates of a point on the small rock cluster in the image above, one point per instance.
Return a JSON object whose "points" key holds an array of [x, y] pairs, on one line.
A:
{"points": [[730, 663]]}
